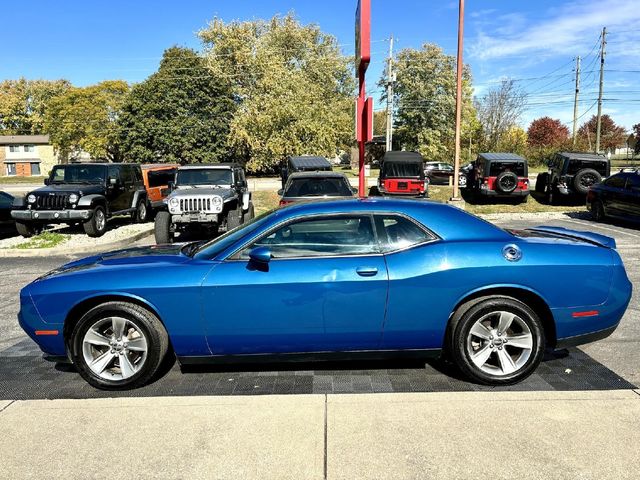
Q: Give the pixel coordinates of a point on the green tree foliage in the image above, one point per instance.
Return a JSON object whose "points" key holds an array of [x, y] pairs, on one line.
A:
{"points": [[514, 140], [547, 132], [294, 87], [180, 114], [85, 119], [380, 122], [425, 98], [611, 135], [23, 104]]}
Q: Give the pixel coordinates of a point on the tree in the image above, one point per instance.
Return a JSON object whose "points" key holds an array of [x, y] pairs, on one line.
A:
{"points": [[23, 104], [514, 140], [425, 98], [636, 132], [499, 110], [179, 114], [547, 132], [611, 135], [85, 119], [293, 85], [380, 122]]}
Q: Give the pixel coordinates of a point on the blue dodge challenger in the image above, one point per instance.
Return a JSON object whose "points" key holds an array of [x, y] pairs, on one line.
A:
{"points": [[335, 279]]}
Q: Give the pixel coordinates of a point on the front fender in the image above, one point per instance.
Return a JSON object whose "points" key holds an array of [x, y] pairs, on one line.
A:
{"points": [[137, 196], [89, 201]]}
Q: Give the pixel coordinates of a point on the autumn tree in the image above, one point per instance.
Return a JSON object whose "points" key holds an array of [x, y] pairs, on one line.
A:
{"points": [[23, 104], [180, 114], [499, 110], [425, 98], [293, 86], [85, 119], [514, 140], [636, 133], [611, 135], [547, 132]]}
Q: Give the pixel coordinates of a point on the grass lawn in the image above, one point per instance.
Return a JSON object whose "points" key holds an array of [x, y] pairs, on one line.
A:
{"points": [[15, 179], [265, 201], [533, 205], [44, 240]]}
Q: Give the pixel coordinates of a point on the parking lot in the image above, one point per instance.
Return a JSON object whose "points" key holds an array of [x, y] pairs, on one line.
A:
{"points": [[605, 365]]}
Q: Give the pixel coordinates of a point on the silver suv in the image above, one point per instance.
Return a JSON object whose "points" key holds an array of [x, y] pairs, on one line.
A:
{"points": [[206, 197]]}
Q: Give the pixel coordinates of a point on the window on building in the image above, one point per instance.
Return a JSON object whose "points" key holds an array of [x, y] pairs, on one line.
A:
{"points": [[14, 148], [11, 168], [35, 168], [29, 148]]}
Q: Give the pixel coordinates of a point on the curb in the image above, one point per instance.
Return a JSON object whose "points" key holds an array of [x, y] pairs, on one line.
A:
{"points": [[59, 252]]}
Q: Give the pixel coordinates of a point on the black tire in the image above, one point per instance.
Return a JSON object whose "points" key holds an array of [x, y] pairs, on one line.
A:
{"points": [[250, 214], [97, 224], [541, 182], [597, 211], [550, 195], [155, 335], [506, 182], [162, 228], [584, 179], [234, 218], [141, 213], [460, 342], [27, 230]]}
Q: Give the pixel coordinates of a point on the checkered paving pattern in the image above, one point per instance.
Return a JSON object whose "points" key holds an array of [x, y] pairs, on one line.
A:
{"points": [[25, 375]]}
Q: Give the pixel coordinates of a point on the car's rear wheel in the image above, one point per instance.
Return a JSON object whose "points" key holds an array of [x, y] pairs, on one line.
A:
{"points": [[141, 213], [497, 340], [118, 345], [506, 182], [585, 179], [97, 224], [162, 228], [27, 229], [597, 211]]}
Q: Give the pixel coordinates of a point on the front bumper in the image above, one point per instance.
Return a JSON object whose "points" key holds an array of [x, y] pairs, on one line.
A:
{"points": [[48, 336], [195, 218], [51, 216]]}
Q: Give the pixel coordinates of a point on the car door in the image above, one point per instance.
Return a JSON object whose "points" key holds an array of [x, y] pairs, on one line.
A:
{"points": [[324, 289], [632, 195], [613, 195], [115, 188]]}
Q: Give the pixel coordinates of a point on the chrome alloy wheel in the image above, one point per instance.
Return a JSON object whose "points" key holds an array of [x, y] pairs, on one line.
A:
{"points": [[100, 220], [499, 343], [114, 348]]}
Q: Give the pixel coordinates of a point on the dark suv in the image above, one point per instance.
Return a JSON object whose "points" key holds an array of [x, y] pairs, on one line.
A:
{"points": [[504, 175], [618, 196], [572, 173], [86, 193]]}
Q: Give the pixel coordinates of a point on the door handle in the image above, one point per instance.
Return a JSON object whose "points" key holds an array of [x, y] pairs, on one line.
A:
{"points": [[367, 271]]}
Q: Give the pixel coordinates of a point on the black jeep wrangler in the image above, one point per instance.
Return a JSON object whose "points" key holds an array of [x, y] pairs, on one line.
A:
{"points": [[86, 193], [208, 198], [572, 173]]}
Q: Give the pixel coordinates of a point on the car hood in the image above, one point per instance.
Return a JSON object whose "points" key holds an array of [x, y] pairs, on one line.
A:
{"points": [[157, 254], [225, 192], [81, 189]]}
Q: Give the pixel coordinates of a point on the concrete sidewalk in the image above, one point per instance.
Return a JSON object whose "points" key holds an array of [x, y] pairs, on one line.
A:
{"points": [[379, 436]]}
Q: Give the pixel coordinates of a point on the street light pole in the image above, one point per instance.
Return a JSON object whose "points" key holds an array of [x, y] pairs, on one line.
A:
{"points": [[456, 162]]}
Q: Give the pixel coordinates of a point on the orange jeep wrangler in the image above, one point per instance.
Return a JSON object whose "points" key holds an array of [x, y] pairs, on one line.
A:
{"points": [[156, 177]]}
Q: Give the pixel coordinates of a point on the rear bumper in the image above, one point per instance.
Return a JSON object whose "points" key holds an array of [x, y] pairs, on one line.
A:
{"points": [[51, 216], [585, 338], [494, 193]]}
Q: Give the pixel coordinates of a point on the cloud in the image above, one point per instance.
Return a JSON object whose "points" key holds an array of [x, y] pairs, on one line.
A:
{"points": [[570, 29]]}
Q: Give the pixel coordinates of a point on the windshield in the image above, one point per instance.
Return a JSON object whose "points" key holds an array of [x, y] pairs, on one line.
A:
{"points": [[497, 168], [204, 176], [78, 174], [318, 187], [224, 241], [402, 170]]}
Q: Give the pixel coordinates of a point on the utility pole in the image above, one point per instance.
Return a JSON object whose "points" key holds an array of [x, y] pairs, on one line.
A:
{"points": [[602, 45], [575, 100], [390, 80], [456, 160]]}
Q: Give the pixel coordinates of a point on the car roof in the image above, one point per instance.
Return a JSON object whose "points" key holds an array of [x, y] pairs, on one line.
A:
{"points": [[500, 156], [208, 165], [320, 174], [309, 162], [407, 157], [582, 156], [153, 166]]}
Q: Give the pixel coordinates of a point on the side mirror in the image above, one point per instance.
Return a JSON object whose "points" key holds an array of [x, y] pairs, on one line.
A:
{"points": [[280, 192], [260, 255], [354, 190], [171, 185], [113, 181], [47, 181]]}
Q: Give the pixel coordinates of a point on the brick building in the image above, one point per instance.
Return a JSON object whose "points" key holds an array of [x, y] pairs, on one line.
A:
{"points": [[26, 155]]}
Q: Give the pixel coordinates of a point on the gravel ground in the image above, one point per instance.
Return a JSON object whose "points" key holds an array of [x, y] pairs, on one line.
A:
{"points": [[118, 230]]}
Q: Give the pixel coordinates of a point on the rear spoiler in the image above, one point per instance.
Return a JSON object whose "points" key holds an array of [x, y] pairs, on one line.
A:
{"points": [[589, 237]]}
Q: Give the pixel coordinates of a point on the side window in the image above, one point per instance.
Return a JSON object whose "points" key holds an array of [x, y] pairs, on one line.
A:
{"points": [[137, 174], [126, 174], [320, 237], [633, 183], [617, 181], [395, 233], [114, 172]]}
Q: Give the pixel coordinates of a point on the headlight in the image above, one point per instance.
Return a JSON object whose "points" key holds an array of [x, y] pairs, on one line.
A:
{"points": [[217, 200], [174, 202], [31, 198], [73, 198]]}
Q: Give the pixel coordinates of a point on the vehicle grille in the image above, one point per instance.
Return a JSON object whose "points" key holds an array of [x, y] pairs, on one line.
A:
{"points": [[57, 201], [196, 204]]}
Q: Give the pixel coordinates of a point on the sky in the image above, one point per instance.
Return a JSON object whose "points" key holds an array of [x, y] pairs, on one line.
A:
{"points": [[534, 43]]}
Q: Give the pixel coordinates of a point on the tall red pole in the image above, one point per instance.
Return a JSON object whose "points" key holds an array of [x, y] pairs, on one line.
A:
{"points": [[363, 108], [456, 161], [362, 183]]}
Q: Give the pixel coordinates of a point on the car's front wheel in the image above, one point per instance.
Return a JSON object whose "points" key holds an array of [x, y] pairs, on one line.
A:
{"points": [[27, 229], [497, 340], [597, 211], [118, 345], [97, 224], [162, 228]]}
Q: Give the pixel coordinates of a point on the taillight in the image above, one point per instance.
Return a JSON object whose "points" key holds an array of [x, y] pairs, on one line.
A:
{"points": [[284, 202]]}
